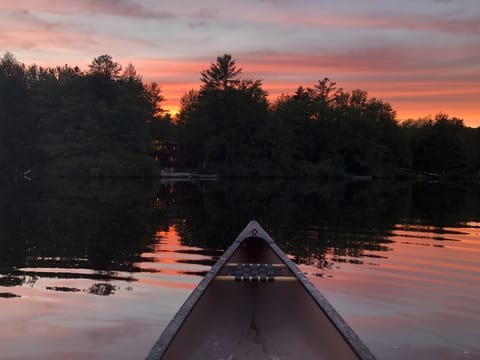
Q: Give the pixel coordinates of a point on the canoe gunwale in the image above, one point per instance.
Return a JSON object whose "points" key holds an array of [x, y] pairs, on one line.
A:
{"points": [[253, 229], [343, 328], [161, 345]]}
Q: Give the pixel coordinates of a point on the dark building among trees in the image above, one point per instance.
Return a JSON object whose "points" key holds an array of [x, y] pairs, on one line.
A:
{"points": [[165, 152]]}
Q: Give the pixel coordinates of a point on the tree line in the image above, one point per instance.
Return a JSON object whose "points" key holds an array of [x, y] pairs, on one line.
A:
{"points": [[101, 122], [68, 122]]}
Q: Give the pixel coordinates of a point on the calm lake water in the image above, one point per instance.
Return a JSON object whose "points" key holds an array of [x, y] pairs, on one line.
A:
{"points": [[97, 270]]}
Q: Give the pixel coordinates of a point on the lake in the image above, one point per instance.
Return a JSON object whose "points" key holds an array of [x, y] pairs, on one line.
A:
{"points": [[97, 269]]}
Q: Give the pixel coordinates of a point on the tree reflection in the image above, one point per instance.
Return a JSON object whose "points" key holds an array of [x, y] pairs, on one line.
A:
{"points": [[318, 223], [57, 228], [8, 295], [65, 224], [103, 289]]}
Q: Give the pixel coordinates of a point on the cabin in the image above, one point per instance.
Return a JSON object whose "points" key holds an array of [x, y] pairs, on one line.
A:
{"points": [[165, 152]]}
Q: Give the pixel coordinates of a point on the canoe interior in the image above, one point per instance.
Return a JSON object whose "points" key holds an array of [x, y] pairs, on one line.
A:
{"points": [[257, 320]]}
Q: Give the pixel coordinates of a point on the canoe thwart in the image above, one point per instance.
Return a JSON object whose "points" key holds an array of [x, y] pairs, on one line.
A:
{"points": [[255, 264], [255, 272], [255, 278]]}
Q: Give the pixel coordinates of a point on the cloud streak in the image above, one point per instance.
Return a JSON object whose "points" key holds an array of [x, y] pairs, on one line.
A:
{"points": [[127, 8], [469, 24], [124, 8], [32, 31]]}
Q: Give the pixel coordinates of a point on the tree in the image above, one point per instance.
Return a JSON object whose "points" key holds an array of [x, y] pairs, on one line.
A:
{"points": [[10, 68], [324, 90], [437, 145], [17, 132], [106, 67], [130, 74], [103, 74], [222, 74], [154, 99], [94, 123], [223, 125]]}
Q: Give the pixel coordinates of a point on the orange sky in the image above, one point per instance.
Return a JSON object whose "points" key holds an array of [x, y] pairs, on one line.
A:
{"points": [[283, 74], [423, 57]]}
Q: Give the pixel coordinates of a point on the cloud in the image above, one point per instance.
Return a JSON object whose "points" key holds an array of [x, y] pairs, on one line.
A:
{"points": [[28, 31], [203, 17], [21, 30], [206, 13], [278, 2], [467, 24], [24, 16], [126, 8], [381, 60]]}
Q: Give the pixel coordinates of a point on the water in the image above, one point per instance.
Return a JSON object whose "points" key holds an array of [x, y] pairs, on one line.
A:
{"points": [[97, 270]]}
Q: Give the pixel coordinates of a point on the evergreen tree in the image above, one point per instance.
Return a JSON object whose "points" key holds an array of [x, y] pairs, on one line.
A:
{"points": [[17, 132], [221, 74], [223, 125]]}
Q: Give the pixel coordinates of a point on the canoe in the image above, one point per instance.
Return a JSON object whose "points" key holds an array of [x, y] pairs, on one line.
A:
{"points": [[256, 304]]}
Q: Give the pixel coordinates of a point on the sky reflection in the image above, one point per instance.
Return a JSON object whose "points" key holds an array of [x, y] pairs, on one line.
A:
{"points": [[420, 300]]}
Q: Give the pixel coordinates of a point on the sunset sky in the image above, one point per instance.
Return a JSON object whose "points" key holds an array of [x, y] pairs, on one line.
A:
{"points": [[422, 56]]}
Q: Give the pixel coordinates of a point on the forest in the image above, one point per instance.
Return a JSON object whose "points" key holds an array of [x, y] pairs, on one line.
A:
{"points": [[101, 122]]}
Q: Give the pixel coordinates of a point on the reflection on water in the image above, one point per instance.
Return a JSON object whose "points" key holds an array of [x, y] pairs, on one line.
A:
{"points": [[168, 263], [96, 270], [421, 300]]}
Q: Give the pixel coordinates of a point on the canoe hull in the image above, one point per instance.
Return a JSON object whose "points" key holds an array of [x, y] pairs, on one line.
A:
{"points": [[258, 320]]}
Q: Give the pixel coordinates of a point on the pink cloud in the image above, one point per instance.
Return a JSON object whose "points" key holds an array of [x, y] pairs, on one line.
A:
{"points": [[320, 16], [27, 31], [127, 8], [469, 24], [381, 60], [124, 8]]}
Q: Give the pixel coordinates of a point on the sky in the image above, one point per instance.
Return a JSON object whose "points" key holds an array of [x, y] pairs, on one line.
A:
{"points": [[421, 56]]}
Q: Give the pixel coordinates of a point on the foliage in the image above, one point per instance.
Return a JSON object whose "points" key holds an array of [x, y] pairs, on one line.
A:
{"points": [[223, 126], [320, 132], [68, 122], [222, 74], [75, 123], [439, 146], [17, 132], [317, 132]]}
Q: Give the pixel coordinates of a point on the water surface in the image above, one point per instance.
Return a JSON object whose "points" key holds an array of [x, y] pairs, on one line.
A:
{"points": [[97, 270]]}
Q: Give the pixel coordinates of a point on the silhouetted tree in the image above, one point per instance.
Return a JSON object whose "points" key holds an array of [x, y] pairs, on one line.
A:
{"points": [[224, 123], [437, 146], [221, 74], [106, 67], [94, 123], [130, 74], [17, 132], [324, 91]]}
